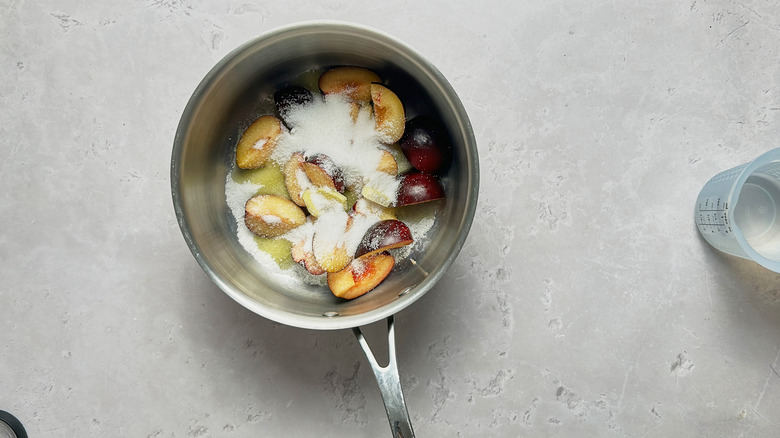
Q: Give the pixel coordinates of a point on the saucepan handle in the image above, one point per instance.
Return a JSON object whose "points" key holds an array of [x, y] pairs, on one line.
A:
{"points": [[389, 383]]}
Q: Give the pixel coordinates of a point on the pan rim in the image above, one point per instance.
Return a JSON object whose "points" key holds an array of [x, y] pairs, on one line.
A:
{"points": [[325, 321]]}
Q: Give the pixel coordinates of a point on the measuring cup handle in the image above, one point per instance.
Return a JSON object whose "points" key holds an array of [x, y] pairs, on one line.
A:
{"points": [[389, 383]]}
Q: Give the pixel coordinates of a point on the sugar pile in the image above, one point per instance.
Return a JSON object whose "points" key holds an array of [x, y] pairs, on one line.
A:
{"points": [[326, 126]]}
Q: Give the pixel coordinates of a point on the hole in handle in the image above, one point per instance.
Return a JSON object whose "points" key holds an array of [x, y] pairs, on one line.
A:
{"points": [[377, 337]]}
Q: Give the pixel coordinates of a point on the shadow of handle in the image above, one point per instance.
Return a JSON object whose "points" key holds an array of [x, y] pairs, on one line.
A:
{"points": [[389, 383]]}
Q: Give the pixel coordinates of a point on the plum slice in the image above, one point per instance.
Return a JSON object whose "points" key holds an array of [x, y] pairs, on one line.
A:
{"points": [[271, 216], [361, 275], [418, 187], [384, 235], [258, 142], [389, 114], [323, 172], [352, 82], [305, 257]]}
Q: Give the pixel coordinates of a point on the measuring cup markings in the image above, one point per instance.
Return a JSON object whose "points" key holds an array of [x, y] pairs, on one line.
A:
{"points": [[712, 214]]}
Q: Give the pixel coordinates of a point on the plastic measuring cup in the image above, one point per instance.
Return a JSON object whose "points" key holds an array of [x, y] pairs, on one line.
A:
{"points": [[738, 210]]}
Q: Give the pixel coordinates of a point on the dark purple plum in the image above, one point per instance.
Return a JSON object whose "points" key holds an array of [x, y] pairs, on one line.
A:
{"points": [[291, 96], [417, 187], [426, 145]]}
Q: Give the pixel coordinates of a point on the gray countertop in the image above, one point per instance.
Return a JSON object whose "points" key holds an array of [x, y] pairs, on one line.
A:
{"points": [[584, 302]]}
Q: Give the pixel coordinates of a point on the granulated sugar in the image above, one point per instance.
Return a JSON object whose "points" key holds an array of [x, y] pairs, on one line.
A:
{"points": [[325, 126], [271, 219], [236, 196], [260, 143]]}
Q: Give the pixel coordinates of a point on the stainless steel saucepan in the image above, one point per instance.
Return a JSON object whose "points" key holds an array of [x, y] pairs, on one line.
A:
{"points": [[203, 154]]}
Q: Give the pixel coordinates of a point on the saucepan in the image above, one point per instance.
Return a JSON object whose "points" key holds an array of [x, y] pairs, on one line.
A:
{"points": [[204, 152]]}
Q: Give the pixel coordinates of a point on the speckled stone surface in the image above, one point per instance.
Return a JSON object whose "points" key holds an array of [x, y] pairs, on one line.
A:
{"points": [[584, 302]]}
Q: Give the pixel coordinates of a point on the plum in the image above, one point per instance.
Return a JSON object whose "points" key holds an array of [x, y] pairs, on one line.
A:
{"points": [[361, 275], [352, 82], [258, 142], [418, 187], [426, 145], [323, 172], [291, 96], [271, 216], [389, 114], [384, 235]]}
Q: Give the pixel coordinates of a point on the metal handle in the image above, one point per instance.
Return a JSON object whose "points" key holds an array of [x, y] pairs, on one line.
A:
{"points": [[389, 383]]}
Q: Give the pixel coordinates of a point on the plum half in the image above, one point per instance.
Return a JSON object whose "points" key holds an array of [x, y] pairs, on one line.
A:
{"points": [[271, 216], [418, 187], [384, 235], [425, 145], [258, 142], [290, 97]]}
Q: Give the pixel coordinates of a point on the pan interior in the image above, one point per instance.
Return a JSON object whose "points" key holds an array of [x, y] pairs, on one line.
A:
{"points": [[227, 100]]}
